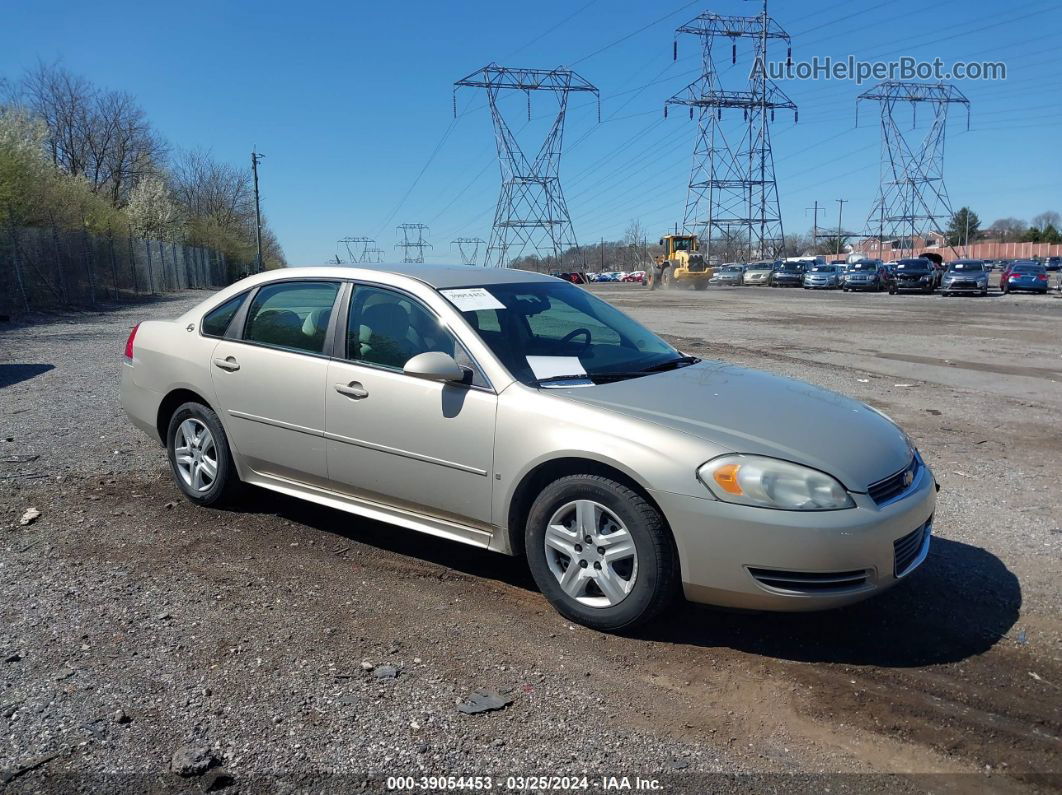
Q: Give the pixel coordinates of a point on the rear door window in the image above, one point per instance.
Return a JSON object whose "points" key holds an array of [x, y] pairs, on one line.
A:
{"points": [[291, 315]]}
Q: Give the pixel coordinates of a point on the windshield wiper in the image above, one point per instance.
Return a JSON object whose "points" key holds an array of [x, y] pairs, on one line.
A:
{"points": [[593, 378], [681, 360], [618, 375]]}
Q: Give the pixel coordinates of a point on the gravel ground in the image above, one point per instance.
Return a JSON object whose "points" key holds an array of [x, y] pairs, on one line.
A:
{"points": [[142, 635]]}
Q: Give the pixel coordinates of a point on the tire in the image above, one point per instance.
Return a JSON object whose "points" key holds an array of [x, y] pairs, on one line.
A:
{"points": [[225, 484], [846, 289], [700, 284], [645, 582], [891, 292]]}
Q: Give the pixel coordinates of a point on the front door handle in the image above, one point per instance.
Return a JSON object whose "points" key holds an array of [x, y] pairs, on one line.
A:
{"points": [[229, 364], [352, 390]]}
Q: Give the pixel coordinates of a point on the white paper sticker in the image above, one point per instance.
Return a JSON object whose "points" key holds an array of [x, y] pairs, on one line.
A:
{"points": [[551, 366], [472, 299]]}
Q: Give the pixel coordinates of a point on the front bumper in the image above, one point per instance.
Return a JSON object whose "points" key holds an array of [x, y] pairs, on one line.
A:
{"points": [[755, 558], [757, 278], [861, 285], [964, 287]]}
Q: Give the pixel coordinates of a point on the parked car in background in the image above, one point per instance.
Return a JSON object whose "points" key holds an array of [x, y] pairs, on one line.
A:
{"points": [[759, 273], [965, 276], [914, 273], [866, 274], [822, 277], [789, 274], [476, 405], [1053, 264], [635, 276], [1026, 275], [730, 275]]}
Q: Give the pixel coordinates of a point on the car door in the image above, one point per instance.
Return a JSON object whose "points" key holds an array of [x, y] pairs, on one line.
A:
{"points": [[270, 376], [414, 444]]}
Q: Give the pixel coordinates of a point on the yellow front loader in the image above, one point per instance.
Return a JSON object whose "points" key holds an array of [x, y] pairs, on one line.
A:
{"points": [[681, 264]]}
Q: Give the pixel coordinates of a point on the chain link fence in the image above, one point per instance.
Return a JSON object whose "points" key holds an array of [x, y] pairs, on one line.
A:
{"points": [[46, 269]]}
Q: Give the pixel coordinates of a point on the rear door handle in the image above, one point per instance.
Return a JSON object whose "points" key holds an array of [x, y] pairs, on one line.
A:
{"points": [[353, 390], [229, 364]]}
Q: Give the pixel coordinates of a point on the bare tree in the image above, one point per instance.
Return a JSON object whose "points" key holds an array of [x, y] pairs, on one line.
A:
{"points": [[1047, 218], [211, 190], [103, 136], [1007, 228]]}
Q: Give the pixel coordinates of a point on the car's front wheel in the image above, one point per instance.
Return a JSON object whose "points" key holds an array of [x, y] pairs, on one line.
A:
{"points": [[199, 455], [600, 553]]}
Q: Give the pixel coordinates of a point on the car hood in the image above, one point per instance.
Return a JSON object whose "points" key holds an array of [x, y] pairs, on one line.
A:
{"points": [[749, 411]]}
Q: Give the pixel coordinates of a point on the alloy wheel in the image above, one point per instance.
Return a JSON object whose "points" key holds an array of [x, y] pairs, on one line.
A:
{"points": [[195, 454], [591, 553]]}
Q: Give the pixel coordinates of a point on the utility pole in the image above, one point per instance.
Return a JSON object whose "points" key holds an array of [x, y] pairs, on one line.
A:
{"points": [[468, 247], [840, 210], [531, 214], [413, 242], [255, 157], [602, 255], [912, 199], [815, 224], [732, 193]]}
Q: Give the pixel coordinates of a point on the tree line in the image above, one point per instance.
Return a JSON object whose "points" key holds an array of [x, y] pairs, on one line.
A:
{"points": [[74, 155]]}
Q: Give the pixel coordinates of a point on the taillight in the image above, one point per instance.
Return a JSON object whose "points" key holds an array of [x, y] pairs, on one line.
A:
{"points": [[129, 342], [1041, 277]]}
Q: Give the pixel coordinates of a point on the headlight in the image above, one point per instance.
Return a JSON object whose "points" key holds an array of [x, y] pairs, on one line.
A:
{"points": [[771, 483]]}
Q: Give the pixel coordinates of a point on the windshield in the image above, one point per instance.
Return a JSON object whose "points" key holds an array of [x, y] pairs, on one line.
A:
{"points": [[545, 329], [792, 267], [1028, 268], [967, 267], [862, 266], [823, 269], [912, 266]]}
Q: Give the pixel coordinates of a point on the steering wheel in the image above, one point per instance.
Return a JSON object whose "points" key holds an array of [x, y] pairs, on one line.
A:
{"points": [[575, 333]]}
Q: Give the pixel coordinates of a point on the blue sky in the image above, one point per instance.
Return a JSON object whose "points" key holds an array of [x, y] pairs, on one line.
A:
{"points": [[351, 100]]}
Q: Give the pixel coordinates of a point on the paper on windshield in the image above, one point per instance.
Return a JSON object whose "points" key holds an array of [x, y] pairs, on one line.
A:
{"points": [[472, 299], [551, 366]]}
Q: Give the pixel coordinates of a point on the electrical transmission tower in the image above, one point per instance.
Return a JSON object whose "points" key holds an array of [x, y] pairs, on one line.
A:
{"points": [[732, 199], [468, 247], [531, 215], [912, 200], [373, 255], [364, 242], [412, 242]]}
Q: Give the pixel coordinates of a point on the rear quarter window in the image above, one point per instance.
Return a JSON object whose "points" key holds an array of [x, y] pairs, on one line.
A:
{"points": [[216, 322]]}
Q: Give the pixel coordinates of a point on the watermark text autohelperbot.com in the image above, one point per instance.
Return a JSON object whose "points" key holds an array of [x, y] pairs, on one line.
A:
{"points": [[904, 68]]}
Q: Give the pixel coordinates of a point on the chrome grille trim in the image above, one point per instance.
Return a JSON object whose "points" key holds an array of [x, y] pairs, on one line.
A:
{"points": [[810, 582], [892, 487]]}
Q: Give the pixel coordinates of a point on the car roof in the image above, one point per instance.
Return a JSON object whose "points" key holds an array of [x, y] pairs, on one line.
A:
{"points": [[438, 276]]}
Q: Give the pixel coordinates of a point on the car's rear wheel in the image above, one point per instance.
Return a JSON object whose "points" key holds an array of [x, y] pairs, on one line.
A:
{"points": [[199, 455], [600, 553]]}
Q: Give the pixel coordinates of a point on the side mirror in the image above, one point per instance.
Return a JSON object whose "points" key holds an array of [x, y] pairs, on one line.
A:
{"points": [[434, 366]]}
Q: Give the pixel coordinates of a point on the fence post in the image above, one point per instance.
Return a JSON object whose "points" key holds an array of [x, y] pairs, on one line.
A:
{"points": [[60, 271], [163, 275], [132, 264], [176, 277], [114, 266], [87, 261], [18, 266], [150, 275]]}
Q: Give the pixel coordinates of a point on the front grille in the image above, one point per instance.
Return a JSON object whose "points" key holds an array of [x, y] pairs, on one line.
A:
{"points": [[906, 549], [893, 485], [963, 284], [806, 582]]}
